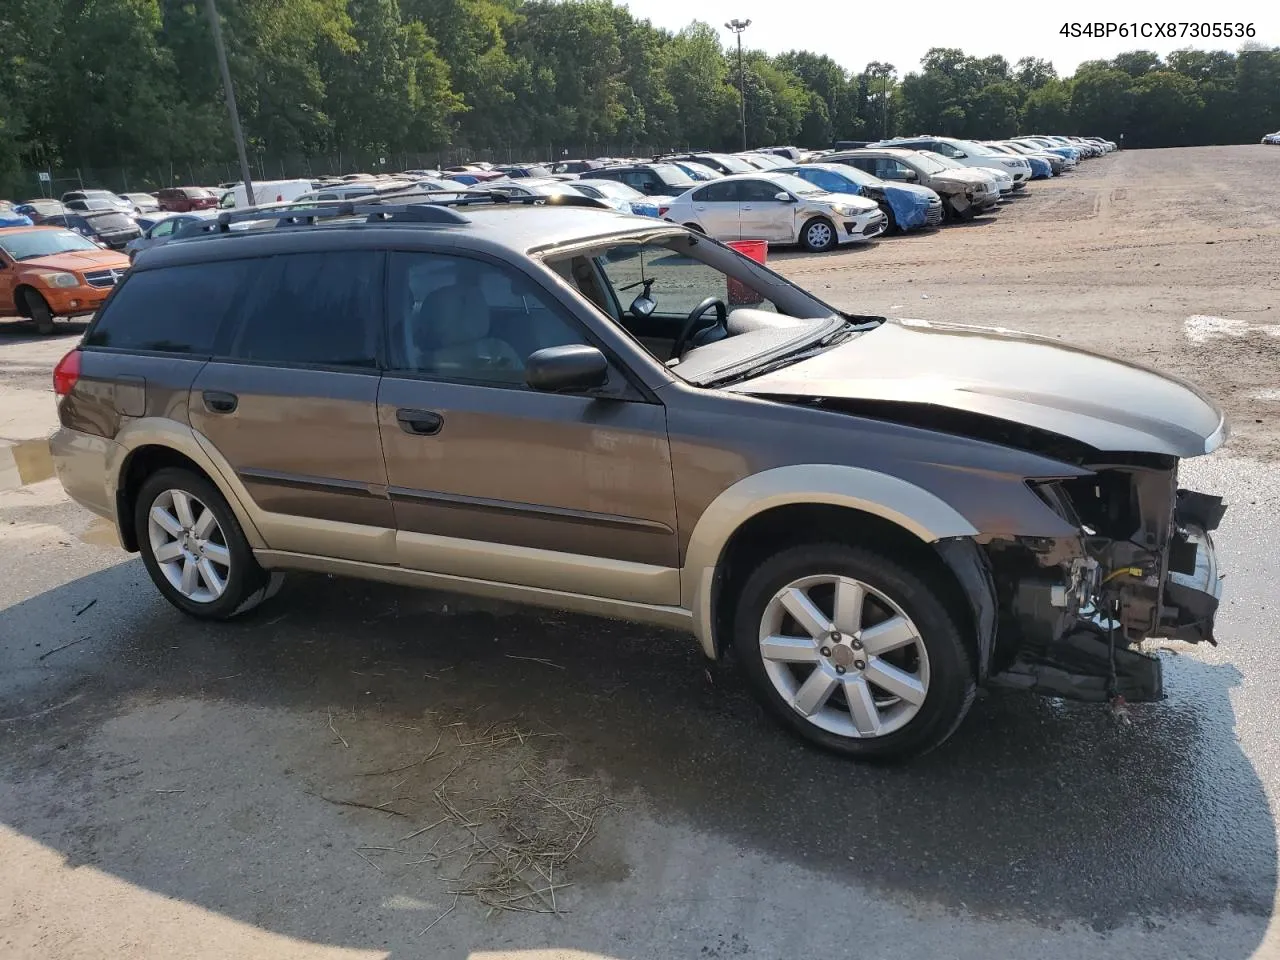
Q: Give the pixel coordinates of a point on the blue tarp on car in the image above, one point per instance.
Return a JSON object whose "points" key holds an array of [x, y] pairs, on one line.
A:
{"points": [[1040, 168], [909, 203], [12, 219]]}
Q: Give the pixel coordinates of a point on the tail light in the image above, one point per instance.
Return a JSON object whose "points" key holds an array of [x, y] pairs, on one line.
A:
{"points": [[662, 211], [67, 373]]}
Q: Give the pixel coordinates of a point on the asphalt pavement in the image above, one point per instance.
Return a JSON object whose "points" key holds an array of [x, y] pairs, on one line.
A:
{"points": [[174, 788]]}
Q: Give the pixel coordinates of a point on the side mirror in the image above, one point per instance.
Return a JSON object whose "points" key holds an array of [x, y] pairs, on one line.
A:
{"points": [[784, 197], [642, 306], [570, 367], [910, 175]]}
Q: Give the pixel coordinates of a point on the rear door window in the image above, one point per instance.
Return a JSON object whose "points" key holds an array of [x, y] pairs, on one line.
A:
{"points": [[173, 310], [718, 191], [758, 191], [314, 309]]}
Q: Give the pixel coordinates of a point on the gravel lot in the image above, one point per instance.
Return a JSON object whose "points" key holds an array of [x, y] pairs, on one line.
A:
{"points": [[1167, 257], [312, 781]]}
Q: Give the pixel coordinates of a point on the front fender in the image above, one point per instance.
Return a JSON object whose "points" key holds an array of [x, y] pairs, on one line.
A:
{"points": [[913, 508]]}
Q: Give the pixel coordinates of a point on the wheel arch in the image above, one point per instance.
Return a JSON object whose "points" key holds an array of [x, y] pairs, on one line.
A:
{"points": [[759, 513], [20, 298], [150, 444]]}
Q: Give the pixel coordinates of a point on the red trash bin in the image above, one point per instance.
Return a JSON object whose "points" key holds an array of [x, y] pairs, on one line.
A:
{"points": [[741, 295]]}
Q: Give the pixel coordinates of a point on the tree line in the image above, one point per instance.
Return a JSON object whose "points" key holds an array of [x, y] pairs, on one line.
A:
{"points": [[133, 85]]}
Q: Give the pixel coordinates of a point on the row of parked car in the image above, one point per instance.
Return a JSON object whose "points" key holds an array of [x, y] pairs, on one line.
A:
{"points": [[779, 195], [817, 200]]}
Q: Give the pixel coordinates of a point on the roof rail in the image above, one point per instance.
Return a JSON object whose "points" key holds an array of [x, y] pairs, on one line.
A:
{"points": [[435, 206]]}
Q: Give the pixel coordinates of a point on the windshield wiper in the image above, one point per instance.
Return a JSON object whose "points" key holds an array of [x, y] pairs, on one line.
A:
{"points": [[833, 338]]}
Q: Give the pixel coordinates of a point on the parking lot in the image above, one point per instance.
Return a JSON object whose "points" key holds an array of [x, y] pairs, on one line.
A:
{"points": [[314, 780]]}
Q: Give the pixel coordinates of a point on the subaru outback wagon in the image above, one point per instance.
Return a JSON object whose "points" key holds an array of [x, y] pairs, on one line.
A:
{"points": [[559, 406]]}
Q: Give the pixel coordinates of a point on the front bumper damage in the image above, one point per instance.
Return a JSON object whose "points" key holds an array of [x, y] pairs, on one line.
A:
{"points": [[1069, 612]]}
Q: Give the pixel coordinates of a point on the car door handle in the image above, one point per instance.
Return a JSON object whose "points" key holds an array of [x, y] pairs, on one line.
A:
{"points": [[215, 401], [424, 423]]}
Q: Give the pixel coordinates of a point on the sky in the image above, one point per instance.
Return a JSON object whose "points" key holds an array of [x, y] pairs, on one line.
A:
{"points": [[855, 32]]}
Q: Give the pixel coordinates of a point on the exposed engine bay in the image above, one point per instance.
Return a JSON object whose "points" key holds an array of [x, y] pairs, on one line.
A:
{"points": [[1143, 566]]}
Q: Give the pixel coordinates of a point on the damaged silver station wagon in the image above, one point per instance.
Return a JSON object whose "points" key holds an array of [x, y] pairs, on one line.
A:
{"points": [[603, 413]]}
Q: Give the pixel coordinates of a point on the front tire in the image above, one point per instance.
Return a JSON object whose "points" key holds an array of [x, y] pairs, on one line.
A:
{"points": [[39, 312], [818, 235], [853, 652], [194, 549]]}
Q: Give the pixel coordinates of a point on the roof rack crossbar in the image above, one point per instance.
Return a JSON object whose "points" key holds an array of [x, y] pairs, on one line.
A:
{"points": [[436, 206]]}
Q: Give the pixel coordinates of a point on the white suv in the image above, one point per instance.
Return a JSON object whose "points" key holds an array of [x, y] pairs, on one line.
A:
{"points": [[970, 154]]}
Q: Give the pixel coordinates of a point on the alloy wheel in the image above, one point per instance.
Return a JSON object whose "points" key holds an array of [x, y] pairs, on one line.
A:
{"points": [[189, 546], [844, 656], [818, 235]]}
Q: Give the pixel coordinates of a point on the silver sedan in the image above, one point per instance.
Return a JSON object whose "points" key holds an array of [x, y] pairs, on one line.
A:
{"points": [[779, 208]]}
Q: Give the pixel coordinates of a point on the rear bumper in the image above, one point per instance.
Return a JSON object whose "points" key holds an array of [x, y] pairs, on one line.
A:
{"points": [[80, 461]]}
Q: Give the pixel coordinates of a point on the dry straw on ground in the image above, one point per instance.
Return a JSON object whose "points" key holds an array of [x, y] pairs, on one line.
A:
{"points": [[502, 823]]}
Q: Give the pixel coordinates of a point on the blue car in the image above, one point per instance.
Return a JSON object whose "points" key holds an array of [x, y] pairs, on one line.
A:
{"points": [[907, 205], [622, 197], [1071, 153]]}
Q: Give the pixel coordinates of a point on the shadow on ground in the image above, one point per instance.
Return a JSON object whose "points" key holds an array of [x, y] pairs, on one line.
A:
{"points": [[15, 331], [1035, 809]]}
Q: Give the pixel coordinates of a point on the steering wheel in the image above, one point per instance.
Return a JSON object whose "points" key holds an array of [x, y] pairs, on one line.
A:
{"points": [[722, 314]]}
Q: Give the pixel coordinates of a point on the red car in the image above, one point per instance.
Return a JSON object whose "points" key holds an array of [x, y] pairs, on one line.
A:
{"points": [[186, 199]]}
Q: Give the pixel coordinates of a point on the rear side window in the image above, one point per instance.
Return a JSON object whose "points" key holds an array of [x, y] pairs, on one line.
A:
{"points": [[718, 192], [317, 309], [173, 310]]}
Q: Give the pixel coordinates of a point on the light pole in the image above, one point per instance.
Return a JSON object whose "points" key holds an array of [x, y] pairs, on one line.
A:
{"points": [[883, 71], [737, 26], [236, 131]]}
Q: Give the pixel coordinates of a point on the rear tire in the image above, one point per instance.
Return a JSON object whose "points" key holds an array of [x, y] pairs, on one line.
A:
{"points": [[831, 691], [39, 312], [818, 235], [203, 565]]}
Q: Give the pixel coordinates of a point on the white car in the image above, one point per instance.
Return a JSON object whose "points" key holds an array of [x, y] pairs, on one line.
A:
{"points": [[264, 192], [966, 153], [1272, 138], [1001, 180], [779, 208]]}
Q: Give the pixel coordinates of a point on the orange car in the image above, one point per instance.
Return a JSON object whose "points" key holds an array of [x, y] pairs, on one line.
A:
{"points": [[48, 272]]}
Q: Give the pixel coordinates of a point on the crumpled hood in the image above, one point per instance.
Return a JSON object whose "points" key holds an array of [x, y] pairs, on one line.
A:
{"points": [[970, 177], [924, 194], [1108, 404]]}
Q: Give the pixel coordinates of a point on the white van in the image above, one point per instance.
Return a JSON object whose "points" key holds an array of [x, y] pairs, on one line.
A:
{"points": [[265, 191]]}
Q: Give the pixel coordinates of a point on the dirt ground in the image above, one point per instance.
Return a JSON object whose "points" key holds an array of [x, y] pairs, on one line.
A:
{"points": [[1167, 257], [364, 771]]}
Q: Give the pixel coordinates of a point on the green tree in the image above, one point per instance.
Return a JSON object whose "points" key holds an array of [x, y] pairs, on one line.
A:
{"points": [[1032, 73], [830, 82], [994, 111], [698, 78], [1047, 108], [1257, 107], [388, 90], [1137, 63], [1166, 109], [471, 37], [1101, 102]]}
